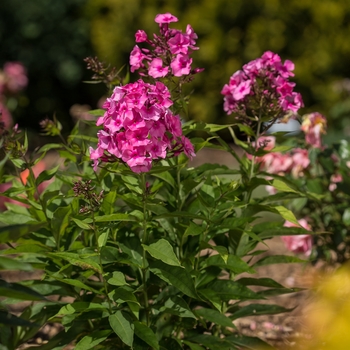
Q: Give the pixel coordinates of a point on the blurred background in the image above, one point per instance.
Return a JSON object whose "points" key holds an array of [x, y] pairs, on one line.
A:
{"points": [[51, 39]]}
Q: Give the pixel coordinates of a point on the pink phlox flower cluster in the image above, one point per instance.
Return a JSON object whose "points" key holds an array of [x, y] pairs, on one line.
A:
{"points": [[293, 162], [170, 51], [13, 78], [139, 127], [334, 180], [299, 243], [265, 77], [314, 125]]}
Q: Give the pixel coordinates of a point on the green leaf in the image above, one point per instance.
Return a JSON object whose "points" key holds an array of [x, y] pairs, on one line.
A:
{"points": [[146, 334], [81, 306], [12, 264], [46, 175], [77, 260], [259, 309], [167, 177], [176, 276], [102, 239], [175, 305], [81, 224], [122, 327], [93, 339], [215, 316], [250, 343], [192, 346], [123, 295], [180, 214], [78, 284], [118, 279], [9, 320], [114, 217], [60, 221], [193, 230], [278, 259], [13, 232], [346, 217], [162, 250], [263, 282], [234, 263], [49, 146], [282, 186], [225, 290], [17, 291], [286, 214], [211, 342]]}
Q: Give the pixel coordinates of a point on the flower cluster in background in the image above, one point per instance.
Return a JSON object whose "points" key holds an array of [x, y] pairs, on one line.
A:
{"points": [[299, 243], [139, 127], [13, 79], [170, 50], [262, 82]]}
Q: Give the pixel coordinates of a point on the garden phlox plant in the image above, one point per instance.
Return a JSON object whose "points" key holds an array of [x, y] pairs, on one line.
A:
{"points": [[136, 248]]}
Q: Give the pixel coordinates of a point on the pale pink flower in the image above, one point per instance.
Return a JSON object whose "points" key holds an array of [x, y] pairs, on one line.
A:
{"points": [[16, 76], [299, 243], [301, 161], [335, 178], [314, 126], [5, 116]]}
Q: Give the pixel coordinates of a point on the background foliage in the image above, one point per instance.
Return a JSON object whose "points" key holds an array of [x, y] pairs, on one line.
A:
{"points": [[53, 38]]}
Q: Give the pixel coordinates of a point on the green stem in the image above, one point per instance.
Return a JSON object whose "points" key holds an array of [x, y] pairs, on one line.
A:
{"points": [[144, 241], [102, 274]]}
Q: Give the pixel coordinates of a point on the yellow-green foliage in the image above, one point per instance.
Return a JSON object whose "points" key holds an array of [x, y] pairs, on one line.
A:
{"points": [[313, 34]]}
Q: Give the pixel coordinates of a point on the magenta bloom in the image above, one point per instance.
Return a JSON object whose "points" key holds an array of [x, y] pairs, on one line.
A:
{"points": [[165, 18], [170, 51], [263, 79], [139, 128], [299, 243], [156, 69]]}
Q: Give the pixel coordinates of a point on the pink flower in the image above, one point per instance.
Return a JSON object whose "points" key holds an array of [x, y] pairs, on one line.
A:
{"points": [[263, 79], [172, 45], [156, 69], [299, 243], [335, 178], [136, 58], [301, 161], [242, 90], [181, 65], [16, 76], [5, 116], [165, 18], [140, 36], [139, 128]]}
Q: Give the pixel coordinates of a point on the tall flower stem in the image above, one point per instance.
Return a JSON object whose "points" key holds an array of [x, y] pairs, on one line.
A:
{"points": [[144, 240], [102, 274]]}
